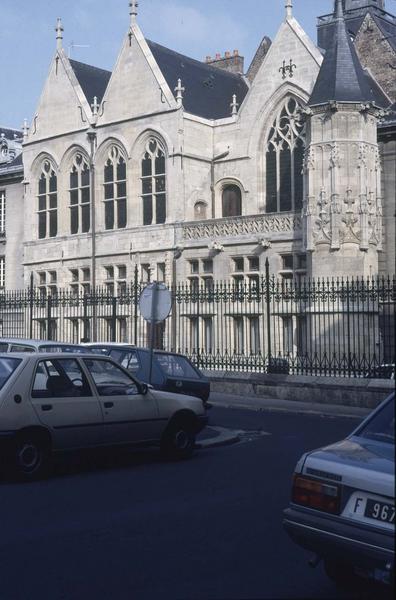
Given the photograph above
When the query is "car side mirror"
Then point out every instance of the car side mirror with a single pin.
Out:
(144, 388)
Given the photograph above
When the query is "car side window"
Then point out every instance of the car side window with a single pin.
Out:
(21, 348)
(60, 378)
(110, 380)
(176, 366)
(3, 347)
(127, 359)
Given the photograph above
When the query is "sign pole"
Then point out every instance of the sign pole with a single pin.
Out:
(153, 322)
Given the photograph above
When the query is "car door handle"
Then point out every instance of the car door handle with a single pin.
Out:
(46, 407)
(108, 404)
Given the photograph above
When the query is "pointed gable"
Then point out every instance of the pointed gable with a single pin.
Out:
(62, 107)
(341, 77)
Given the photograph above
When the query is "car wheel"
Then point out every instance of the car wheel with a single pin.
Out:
(179, 439)
(30, 458)
(341, 573)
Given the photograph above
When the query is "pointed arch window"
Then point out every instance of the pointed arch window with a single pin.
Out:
(47, 202)
(115, 193)
(284, 159)
(153, 176)
(80, 196)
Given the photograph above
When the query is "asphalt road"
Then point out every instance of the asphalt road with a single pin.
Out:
(133, 526)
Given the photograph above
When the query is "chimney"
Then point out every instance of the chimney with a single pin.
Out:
(231, 62)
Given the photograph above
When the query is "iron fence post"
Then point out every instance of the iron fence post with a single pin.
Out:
(348, 330)
(268, 309)
(114, 319)
(31, 304)
(85, 319)
(135, 304)
(49, 311)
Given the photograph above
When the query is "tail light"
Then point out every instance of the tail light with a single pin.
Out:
(315, 494)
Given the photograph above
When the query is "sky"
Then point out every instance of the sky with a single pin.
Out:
(94, 31)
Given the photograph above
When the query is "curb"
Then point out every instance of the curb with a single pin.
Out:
(224, 437)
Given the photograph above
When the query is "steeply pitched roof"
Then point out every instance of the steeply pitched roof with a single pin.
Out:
(388, 28)
(11, 134)
(208, 90)
(341, 77)
(390, 119)
(93, 81)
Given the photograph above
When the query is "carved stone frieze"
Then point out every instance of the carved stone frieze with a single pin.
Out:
(221, 228)
(309, 159)
(350, 225)
(322, 229)
(335, 158)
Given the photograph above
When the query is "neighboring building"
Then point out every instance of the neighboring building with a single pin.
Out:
(193, 172)
(11, 209)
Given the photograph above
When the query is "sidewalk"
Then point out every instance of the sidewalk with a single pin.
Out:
(250, 402)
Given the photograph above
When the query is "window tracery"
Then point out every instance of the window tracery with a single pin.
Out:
(115, 194)
(153, 176)
(47, 202)
(284, 159)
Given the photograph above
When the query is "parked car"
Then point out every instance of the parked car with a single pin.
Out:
(343, 501)
(171, 372)
(52, 402)
(26, 345)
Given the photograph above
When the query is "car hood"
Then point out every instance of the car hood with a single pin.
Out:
(356, 462)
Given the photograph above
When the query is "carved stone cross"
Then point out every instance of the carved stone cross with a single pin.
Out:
(95, 106)
(234, 105)
(179, 89)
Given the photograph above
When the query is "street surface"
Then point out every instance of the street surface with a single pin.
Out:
(134, 526)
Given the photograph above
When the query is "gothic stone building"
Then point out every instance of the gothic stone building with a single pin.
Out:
(195, 171)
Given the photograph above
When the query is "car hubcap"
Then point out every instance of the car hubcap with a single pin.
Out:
(28, 457)
(182, 440)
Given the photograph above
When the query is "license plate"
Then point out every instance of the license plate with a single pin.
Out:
(379, 511)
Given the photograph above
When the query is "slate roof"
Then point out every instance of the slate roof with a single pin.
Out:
(208, 90)
(9, 133)
(93, 81)
(341, 77)
(388, 28)
(390, 119)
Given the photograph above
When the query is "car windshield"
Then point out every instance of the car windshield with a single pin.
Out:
(382, 426)
(7, 367)
(176, 366)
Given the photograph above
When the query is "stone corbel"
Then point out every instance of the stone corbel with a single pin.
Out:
(215, 246)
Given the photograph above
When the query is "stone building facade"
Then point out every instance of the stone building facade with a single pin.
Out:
(191, 171)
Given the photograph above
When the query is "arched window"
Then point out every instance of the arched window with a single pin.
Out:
(200, 210)
(115, 190)
(47, 202)
(154, 183)
(284, 159)
(232, 201)
(80, 196)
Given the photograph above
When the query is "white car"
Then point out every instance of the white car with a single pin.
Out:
(343, 501)
(52, 402)
(27, 345)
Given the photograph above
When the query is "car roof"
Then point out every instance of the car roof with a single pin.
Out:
(121, 345)
(36, 343)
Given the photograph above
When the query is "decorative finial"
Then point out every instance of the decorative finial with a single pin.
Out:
(95, 106)
(179, 89)
(339, 10)
(25, 129)
(59, 33)
(133, 10)
(289, 9)
(234, 105)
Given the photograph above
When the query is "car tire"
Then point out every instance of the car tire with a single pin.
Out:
(178, 441)
(341, 573)
(30, 458)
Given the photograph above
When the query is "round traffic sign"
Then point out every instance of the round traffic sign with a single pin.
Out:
(155, 302)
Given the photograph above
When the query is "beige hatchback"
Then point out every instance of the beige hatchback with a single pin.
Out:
(52, 402)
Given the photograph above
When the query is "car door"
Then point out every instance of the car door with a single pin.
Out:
(181, 377)
(64, 402)
(129, 415)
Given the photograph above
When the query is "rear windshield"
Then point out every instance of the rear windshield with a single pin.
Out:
(7, 367)
(382, 426)
(176, 366)
(63, 348)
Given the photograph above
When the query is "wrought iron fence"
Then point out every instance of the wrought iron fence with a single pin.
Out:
(343, 327)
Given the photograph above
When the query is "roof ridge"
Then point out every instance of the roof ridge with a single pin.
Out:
(78, 62)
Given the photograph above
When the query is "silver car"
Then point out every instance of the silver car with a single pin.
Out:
(58, 402)
(343, 501)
